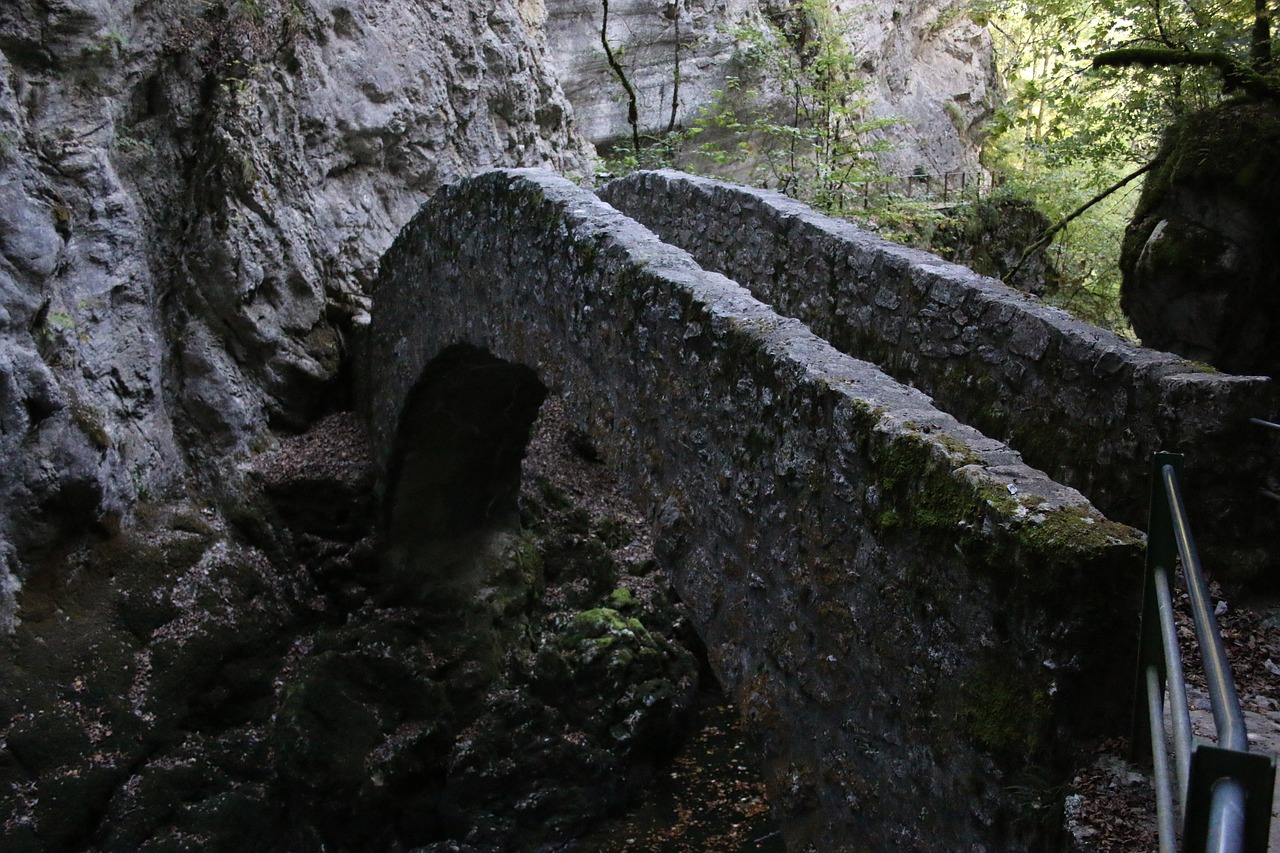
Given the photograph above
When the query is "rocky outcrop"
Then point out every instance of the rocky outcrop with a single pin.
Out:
(990, 236)
(193, 198)
(256, 683)
(924, 61)
(1200, 259)
(909, 617)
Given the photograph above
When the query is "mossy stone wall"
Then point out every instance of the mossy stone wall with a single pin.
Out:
(1079, 402)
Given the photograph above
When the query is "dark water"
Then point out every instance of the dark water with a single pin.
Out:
(711, 800)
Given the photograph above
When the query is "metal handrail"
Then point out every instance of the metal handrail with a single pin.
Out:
(1267, 493)
(1262, 423)
(1224, 791)
(958, 183)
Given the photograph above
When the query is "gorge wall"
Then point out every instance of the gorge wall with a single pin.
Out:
(193, 199)
(911, 619)
(194, 195)
(924, 61)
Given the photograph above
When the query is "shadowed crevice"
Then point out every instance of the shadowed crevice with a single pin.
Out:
(454, 475)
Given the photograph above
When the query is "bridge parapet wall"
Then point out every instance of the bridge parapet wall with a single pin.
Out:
(909, 618)
(1079, 402)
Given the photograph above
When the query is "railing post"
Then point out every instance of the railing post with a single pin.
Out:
(1158, 656)
(1161, 552)
(1229, 801)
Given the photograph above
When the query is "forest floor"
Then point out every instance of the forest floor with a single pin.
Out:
(1111, 805)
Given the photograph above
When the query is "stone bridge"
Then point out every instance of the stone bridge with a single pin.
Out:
(914, 621)
(1081, 403)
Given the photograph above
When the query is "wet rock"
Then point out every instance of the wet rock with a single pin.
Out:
(190, 688)
(362, 722)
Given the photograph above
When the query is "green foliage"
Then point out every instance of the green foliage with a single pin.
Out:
(1085, 253)
(1070, 129)
(795, 108)
(127, 143)
(105, 48)
(1098, 82)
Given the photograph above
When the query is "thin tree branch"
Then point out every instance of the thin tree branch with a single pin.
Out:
(1047, 237)
(1235, 74)
(633, 112)
(675, 76)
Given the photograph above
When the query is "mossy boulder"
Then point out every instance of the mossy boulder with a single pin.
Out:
(990, 236)
(640, 683)
(1200, 259)
(362, 722)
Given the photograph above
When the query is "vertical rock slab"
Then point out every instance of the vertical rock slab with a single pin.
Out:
(193, 197)
(924, 61)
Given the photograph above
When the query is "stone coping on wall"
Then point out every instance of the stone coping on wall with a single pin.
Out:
(1084, 404)
(911, 620)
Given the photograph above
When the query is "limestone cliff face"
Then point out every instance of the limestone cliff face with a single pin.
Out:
(193, 196)
(924, 61)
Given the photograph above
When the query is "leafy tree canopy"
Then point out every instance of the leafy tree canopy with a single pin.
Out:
(1098, 82)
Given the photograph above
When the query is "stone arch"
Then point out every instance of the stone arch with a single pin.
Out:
(792, 490)
(453, 478)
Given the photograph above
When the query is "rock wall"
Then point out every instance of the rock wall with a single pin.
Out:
(193, 198)
(253, 681)
(910, 618)
(1081, 403)
(924, 62)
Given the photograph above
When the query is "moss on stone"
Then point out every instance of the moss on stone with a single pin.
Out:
(622, 598)
(602, 623)
(1074, 529)
(1004, 535)
(888, 520)
(919, 482)
(1006, 711)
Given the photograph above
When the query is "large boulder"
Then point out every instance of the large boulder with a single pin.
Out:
(1201, 258)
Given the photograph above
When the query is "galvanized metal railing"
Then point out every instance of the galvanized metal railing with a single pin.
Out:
(1223, 792)
(944, 187)
(1267, 493)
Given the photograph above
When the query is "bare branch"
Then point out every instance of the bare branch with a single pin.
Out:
(633, 112)
(1235, 74)
(1047, 237)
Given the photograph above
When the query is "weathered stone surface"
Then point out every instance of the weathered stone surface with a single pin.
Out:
(193, 196)
(1078, 402)
(908, 615)
(924, 61)
(1200, 260)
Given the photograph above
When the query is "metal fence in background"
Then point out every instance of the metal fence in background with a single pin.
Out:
(944, 189)
(1223, 792)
